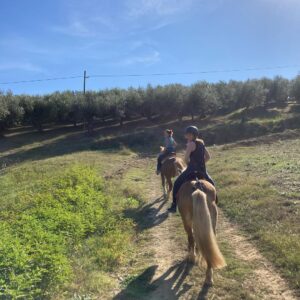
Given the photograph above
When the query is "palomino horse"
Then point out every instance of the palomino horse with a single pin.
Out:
(197, 206)
(171, 167)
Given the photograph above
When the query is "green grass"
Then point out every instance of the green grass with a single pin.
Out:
(259, 189)
(82, 245)
(43, 227)
(95, 264)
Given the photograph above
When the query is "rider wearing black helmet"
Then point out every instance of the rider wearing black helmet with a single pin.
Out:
(196, 156)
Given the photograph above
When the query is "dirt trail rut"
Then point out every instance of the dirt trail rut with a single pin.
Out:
(265, 279)
(175, 279)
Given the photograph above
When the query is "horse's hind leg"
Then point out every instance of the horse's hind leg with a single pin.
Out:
(163, 182)
(191, 245)
(191, 242)
(170, 186)
(213, 214)
(209, 276)
(214, 218)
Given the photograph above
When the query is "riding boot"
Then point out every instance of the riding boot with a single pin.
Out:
(173, 208)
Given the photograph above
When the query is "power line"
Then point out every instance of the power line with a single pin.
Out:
(152, 74)
(39, 80)
(193, 72)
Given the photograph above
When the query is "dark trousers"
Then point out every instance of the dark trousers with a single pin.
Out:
(186, 175)
(161, 157)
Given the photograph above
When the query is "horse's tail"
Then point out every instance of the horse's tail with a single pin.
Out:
(203, 232)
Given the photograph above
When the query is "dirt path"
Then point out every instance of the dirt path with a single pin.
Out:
(248, 275)
(175, 279)
(264, 281)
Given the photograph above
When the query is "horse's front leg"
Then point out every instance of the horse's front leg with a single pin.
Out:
(163, 182)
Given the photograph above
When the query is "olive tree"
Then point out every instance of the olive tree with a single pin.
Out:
(295, 89)
(277, 90)
(43, 112)
(11, 113)
(4, 112)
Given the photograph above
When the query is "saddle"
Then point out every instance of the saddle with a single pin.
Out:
(196, 176)
(171, 156)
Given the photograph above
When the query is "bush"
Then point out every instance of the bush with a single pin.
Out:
(40, 233)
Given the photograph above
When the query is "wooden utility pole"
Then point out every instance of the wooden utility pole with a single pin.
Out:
(84, 79)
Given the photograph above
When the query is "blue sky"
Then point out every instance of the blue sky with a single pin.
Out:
(57, 38)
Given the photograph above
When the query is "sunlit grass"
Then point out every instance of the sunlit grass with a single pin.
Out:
(256, 187)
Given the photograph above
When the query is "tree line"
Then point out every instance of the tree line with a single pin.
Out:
(173, 100)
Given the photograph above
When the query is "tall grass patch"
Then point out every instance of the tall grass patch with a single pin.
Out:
(46, 226)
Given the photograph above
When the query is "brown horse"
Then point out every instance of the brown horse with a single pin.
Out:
(171, 167)
(199, 214)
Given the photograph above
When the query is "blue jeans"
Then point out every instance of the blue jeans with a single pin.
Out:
(187, 174)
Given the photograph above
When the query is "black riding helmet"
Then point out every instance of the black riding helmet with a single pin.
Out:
(193, 130)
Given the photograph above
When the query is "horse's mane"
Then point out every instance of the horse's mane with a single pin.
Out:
(200, 141)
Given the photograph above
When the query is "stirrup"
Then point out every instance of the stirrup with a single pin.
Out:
(173, 208)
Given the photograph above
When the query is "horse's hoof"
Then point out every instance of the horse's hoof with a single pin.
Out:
(208, 283)
(191, 259)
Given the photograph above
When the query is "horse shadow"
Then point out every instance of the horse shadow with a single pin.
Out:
(171, 283)
(149, 215)
(203, 292)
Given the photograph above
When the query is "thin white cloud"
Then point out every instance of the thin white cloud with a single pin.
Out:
(139, 8)
(20, 66)
(90, 26)
(76, 29)
(142, 44)
(86, 19)
(289, 5)
(104, 21)
(148, 59)
(284, 2)
(24, 45)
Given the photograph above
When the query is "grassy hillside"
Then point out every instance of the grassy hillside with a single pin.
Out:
(259, 188)
(50, 182)
(63, 226)
(218, 129)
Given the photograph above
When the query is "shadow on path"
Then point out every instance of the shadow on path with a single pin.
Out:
(149, 215)
(170, 285)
